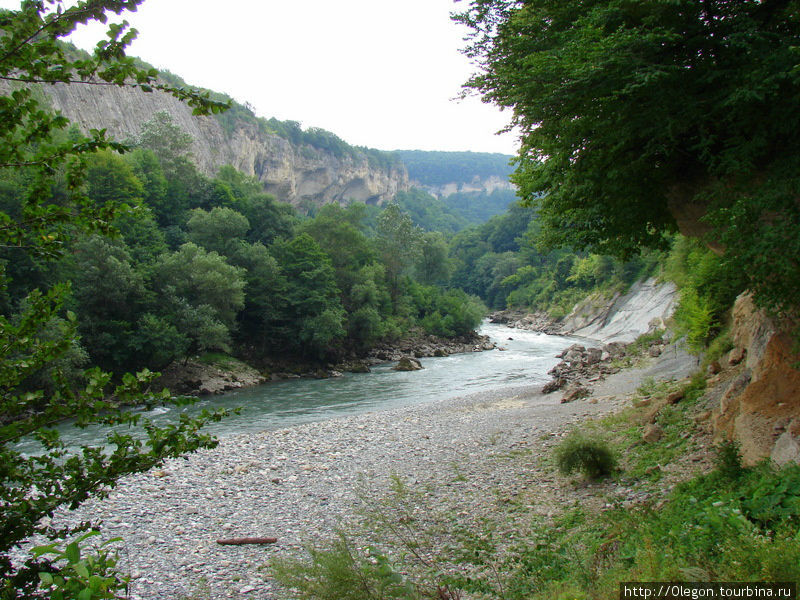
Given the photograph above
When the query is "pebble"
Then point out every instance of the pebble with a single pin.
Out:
(327, 471)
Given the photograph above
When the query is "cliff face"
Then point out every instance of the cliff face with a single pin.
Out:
(485, 185)
(759, 404)
(623, 318)
(300, 175)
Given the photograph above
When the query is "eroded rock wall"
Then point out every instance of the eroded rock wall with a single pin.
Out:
(624, 317)
(760, 405)
(300, 175)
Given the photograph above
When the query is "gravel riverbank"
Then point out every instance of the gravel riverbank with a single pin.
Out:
(298, 484)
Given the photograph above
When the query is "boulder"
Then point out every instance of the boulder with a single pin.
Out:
(593, 356)
(554, 385)
(786, 450)
(735, 356)
(575, 392)
(652, 433)
(408, 363)
(675, 397)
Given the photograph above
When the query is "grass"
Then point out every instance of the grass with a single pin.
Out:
(223, 361)
(589, 455)
(731, 523)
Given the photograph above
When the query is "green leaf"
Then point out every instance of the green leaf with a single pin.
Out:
(72, 553)
(82, 570)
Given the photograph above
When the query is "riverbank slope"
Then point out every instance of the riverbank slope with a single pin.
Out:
(468, 456)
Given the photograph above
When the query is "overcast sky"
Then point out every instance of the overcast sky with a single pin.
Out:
(378, 73)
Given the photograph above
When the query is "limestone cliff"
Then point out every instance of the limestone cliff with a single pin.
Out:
(624, 317)
(485, 185)
(300, 175)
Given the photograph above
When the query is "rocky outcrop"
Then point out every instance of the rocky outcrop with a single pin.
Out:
(201, 379)
(517, 319)
(296, 174)
(421, 345)
(476, 185)
(619, 318)
(623, 317)
(759, 388)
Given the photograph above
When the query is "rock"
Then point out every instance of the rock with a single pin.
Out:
(714, 368)
(771, 393)
(675, 397)
(356, 367)
(654, 351)
(554, 385)
(652, 433)
(573, 356)
(575, 392)
(786, 450)
(735, 356)
(593, 356)
(408, 363)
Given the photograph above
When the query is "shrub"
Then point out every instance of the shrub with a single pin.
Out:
(589, 455)
(341, 571)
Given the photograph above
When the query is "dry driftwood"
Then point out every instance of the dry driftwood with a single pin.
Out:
(250, 540)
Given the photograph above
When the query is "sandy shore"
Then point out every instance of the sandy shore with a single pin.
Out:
(298, 484)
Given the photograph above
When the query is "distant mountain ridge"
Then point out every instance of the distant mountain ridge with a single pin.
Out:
(443, 174)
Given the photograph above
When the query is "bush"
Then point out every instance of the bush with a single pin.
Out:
(589, 455)
(343, 572)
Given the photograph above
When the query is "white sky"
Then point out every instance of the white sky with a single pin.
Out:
(378, 73)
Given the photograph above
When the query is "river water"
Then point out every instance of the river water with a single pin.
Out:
(525, 361)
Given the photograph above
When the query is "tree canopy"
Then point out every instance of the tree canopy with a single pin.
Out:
(48, 198)
(637, 117)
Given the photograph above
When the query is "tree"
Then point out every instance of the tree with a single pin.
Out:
(432, 265)
(220, 230)
(110, 178)
(639, 117)
(204, 278)
(50, 208)
(398, 245)
(313, 315)
(107, 294)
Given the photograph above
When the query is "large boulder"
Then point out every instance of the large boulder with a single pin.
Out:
(408, 363)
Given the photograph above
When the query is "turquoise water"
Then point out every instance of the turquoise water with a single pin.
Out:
(525, 361)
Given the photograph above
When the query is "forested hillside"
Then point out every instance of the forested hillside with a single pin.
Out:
(474, 186)
(214, 264)
(432, 168)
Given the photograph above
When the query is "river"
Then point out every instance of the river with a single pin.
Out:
(525, 361)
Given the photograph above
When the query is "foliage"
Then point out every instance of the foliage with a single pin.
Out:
(637, 114)
(501, 263)
(451, 313)
(62, 475)
(47, 203)
(708, 286)
(440, 168)
(479, 207)
(428, 212)
(83, 576)
(590, 456)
